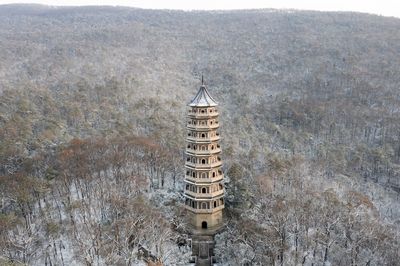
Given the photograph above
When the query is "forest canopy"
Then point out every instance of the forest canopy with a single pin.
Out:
(92, 131)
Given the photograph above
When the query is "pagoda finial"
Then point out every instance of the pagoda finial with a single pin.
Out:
(203, 97)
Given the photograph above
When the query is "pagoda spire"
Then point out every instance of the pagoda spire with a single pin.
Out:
(203, 97)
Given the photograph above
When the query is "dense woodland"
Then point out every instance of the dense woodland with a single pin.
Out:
(92, 131)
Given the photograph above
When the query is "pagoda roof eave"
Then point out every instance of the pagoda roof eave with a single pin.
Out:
(203, 99)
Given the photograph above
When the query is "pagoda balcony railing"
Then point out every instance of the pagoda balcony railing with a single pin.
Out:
(194, 180)
(203, 166)
(202, 115)
(211, 195)
(202, 152)
(220, 207)
(202, 127)
(203, 140)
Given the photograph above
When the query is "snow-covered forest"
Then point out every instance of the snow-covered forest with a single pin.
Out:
(92, 134)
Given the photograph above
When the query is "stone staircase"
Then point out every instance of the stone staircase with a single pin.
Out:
(203, 249)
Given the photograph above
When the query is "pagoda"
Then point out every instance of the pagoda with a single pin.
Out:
(204, 189)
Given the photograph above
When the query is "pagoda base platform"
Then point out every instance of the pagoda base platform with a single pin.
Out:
(205, 220)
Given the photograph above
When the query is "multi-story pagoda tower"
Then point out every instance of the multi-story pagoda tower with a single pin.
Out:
(204, 190)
